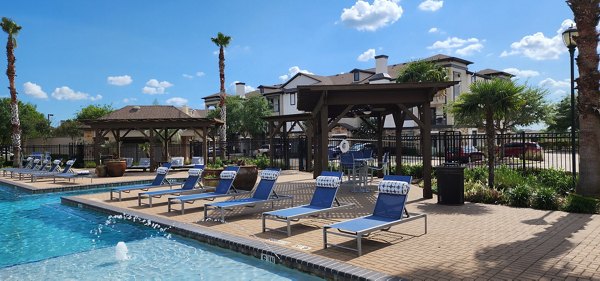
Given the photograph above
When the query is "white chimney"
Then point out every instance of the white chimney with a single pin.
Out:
(381, 64)
(240, 89)
(381, 69)
(186, 109)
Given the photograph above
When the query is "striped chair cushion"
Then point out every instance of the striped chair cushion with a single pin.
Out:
(56, 162)
(394, 187)
(328, 181)
(70, 162)
(194, 172)
(162, 170)
(228, 175)
(269, 175)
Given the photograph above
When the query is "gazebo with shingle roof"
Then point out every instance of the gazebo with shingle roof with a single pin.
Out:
(152, 120)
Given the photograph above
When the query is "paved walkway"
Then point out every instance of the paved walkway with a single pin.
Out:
(472, 241)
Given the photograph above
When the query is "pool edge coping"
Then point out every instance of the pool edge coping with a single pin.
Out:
(319, 266)
(65, 188)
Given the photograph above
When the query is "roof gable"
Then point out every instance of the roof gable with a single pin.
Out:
(146, 112)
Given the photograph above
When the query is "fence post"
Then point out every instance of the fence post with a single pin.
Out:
(524, 149)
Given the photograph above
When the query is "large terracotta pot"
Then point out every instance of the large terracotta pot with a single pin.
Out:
(210, 177)
(115, 168)
(246, 177)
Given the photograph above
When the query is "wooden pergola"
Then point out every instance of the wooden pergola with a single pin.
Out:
(150, 127)
(328, 104)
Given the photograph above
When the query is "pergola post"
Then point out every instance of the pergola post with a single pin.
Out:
(426, 149)
(97, 138)
(205, 144)
(324, 137)
(151, 151)
(399, 124)
(380, 123)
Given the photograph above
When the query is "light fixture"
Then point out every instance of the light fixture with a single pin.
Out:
(568, 37)
(367, 112)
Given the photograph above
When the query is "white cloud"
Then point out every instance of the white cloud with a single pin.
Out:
(66, 93)
(153, 87)
(119, 80)
(366, 17)
(431, 5)
(177, 101)
(187, 76)
(463, 47)
(293, 71)
(34, 90)
(367, 55)
(434, 30)
(197, 74)
(518, 73)
(200, 73)
(539, 47)
(128, 100)
(551, 83)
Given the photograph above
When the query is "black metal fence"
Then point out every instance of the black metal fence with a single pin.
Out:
(520, 150)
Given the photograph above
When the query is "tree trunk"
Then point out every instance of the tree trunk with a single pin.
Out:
(14, 104)
(223, 96)
(586, 17)
(490, 133)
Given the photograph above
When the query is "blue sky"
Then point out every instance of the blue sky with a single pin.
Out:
(73, 53)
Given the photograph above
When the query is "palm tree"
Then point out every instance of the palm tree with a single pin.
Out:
(422, 71)
(488, 101)
(12, 29)
(586, 15)
(222, 41)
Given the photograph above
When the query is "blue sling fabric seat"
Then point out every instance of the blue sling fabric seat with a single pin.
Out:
(324, 197)
(390, 209)
(224, 188)
(263, 193)
(190, 184)
(159, 180)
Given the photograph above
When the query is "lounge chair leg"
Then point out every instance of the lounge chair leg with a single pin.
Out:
(324, 238)
(289, 228)
(359, 244)
(182, 208)
(169, 206)
(205, 208)
(150, 201)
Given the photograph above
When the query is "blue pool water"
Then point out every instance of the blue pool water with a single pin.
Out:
(40, 239)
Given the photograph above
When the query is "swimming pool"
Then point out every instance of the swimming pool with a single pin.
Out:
(43, 239)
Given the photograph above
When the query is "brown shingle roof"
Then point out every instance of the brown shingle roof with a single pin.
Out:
(493, 72)
(146, 112)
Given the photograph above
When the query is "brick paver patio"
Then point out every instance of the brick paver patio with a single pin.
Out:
(472, 241)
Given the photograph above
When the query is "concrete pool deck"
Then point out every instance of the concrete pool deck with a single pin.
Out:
(472, 241)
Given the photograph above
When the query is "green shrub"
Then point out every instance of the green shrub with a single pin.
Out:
(477, 174)
(560, 181)
(416, 171)
(519, 196)
(217, 165)
(478, 192)
(581, 204)
(545, 198)
(261, 161)
(89, 164)
(507, 178)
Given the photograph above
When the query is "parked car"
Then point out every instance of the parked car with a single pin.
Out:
(266, 150)
(531, 150)
(6, 155)
(463, 154)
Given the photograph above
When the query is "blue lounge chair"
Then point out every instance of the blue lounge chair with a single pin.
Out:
(28, 166)
(263, 193)
(225, 188)
(38, 168)
(143, 164)
(53, 168)
(47, 174)
(159, 180)
(327, 185)
(389, 210)
(189, 185)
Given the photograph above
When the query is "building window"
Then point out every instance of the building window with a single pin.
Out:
(293, 99)
(456, 88)
(275, 104)
(356, 76)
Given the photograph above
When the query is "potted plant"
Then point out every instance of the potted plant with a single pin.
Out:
(247, 175)
(210, 176)
(116, 166)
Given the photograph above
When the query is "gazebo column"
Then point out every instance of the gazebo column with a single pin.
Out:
(380, 123)
(324, 137)
(205, 144)
(309, 145)
(151, 151)
(97, 142)
(399, 124)
(426, 149)
(165, 145)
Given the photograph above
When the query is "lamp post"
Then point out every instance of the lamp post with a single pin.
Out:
(569, 37)
(49, 115)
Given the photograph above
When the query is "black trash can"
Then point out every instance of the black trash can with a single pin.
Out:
(451, 184)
